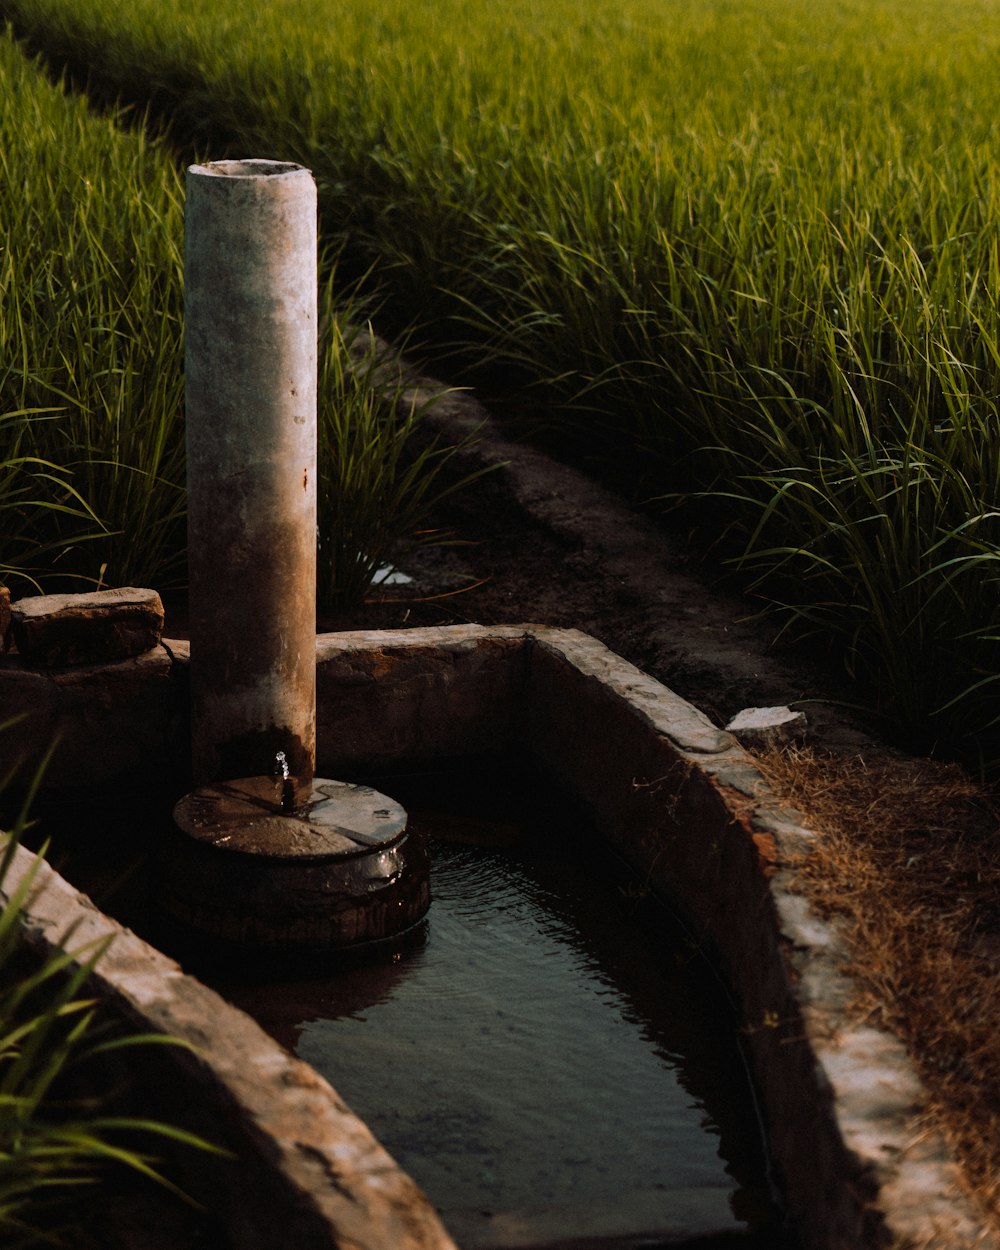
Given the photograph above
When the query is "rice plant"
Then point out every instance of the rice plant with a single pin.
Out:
(91, 413)
(91, 367)
(380, 478)
(754, 247)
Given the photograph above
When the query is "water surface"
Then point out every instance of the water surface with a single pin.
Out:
(548, 1055)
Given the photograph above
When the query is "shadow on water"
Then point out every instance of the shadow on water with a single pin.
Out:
(548, 1054)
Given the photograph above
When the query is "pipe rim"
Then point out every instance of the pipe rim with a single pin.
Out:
(249, 168)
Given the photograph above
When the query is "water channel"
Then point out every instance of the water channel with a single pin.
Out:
(547, 1054)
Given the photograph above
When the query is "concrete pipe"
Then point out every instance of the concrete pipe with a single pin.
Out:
(250, 382)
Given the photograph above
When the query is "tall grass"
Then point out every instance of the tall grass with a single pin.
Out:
(380, 477)
(91, 383)
(754, 245)
(91, 367)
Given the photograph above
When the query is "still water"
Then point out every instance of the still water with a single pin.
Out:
(547, 1054)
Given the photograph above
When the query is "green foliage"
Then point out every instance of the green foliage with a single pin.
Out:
(53, 1141)
(91, 386)
(91, 395)
(755, 246)
(379, 478)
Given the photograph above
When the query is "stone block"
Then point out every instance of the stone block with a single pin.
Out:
(121, 723)
(767, 728)
(53, 631)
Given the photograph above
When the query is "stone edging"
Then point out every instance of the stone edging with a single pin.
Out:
(306, 1173)
(677, 797)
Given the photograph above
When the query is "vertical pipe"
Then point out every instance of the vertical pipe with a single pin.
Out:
(250, 389)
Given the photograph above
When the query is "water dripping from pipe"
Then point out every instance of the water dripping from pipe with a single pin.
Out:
(282, 773)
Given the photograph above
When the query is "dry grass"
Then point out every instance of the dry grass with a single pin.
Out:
(910, 865)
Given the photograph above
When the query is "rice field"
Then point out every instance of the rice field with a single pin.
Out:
(91, 384)
(92, 477)
(750, 249)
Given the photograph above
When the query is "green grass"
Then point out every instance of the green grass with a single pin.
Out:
(753, 246)
(91, 383)
(380, 479)
(91, 367)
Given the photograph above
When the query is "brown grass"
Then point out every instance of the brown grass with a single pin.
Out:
(909, 863)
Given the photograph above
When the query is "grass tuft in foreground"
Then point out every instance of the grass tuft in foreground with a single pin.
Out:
(59, 1132)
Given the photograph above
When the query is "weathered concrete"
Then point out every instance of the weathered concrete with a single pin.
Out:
(418, 694)
(55, 631)
(685, 804)
(859, 1164)
(122, 723)
(250, 393)
(336, 871)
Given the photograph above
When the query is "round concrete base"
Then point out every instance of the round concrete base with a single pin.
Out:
(336, 871)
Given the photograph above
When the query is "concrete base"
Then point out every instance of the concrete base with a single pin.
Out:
(334, 872)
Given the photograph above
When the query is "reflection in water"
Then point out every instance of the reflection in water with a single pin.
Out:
(546, 1055)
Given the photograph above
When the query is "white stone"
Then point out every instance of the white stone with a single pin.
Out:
(765, 728)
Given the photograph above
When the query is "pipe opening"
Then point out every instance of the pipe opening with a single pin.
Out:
(256, 168)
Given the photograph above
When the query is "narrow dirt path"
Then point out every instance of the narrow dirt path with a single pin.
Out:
(543, 543)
